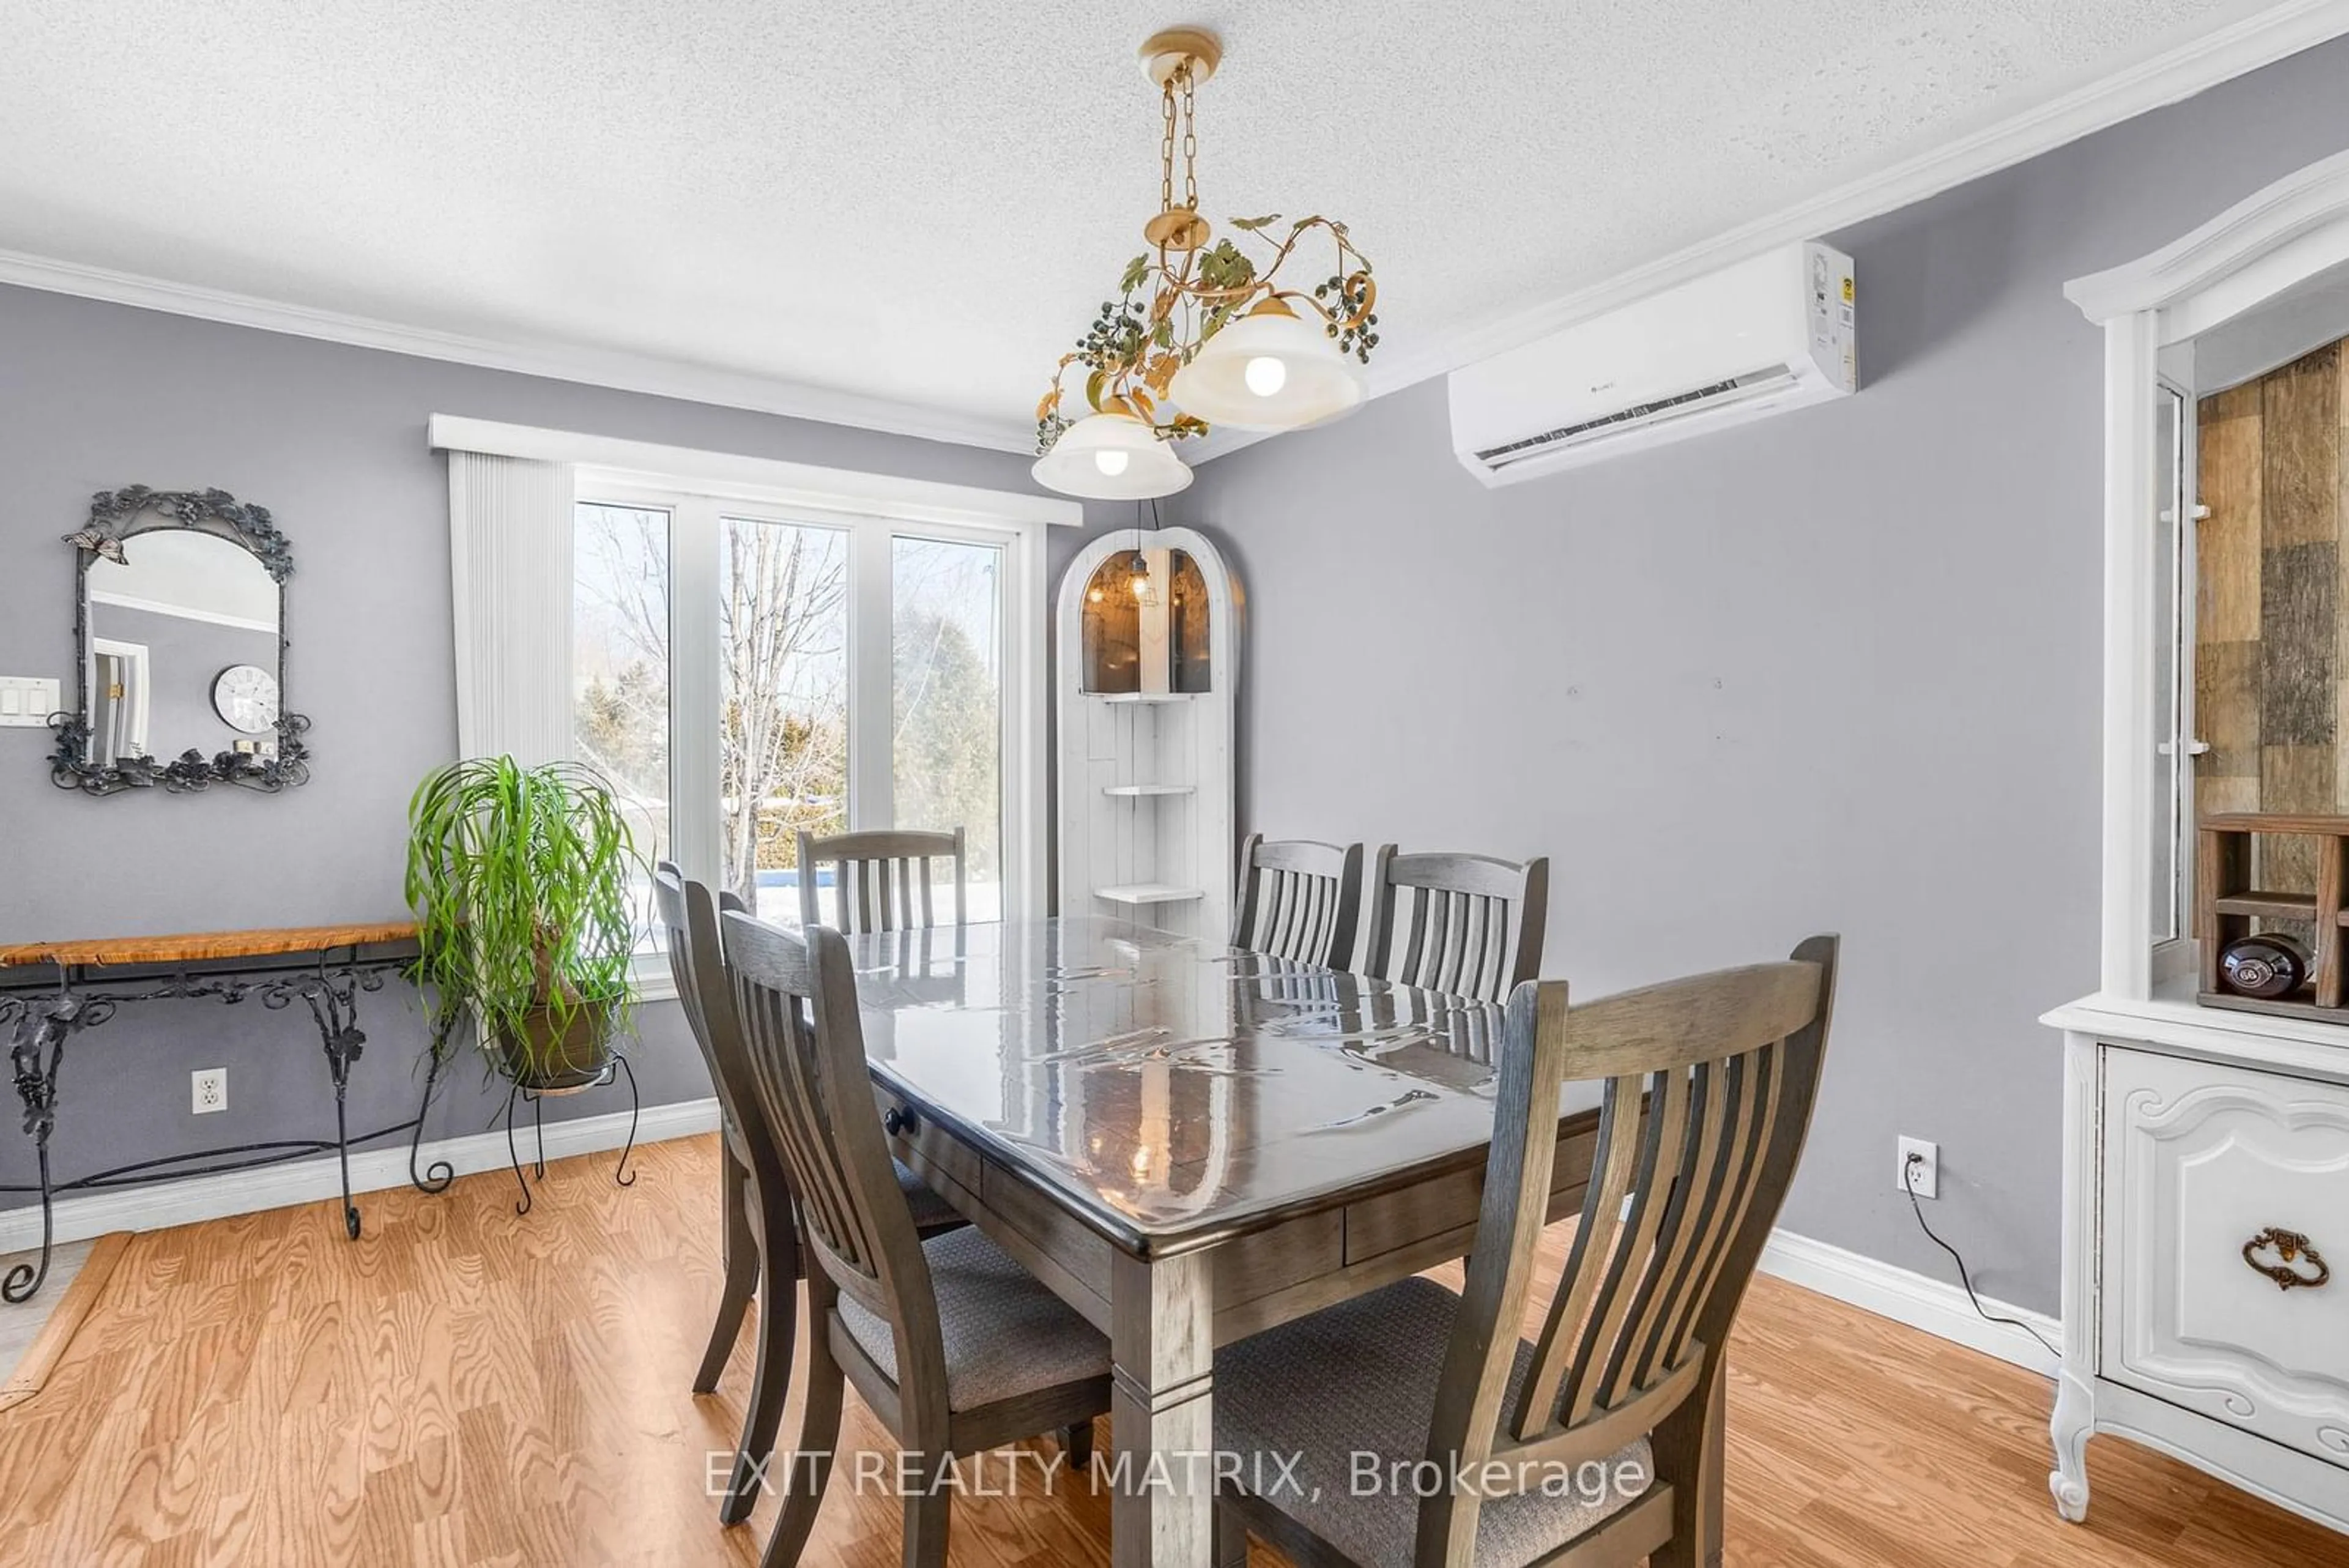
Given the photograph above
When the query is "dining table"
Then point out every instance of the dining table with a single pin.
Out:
(1189, 1144)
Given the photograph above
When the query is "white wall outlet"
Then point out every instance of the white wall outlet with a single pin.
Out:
(1925, 1181)
(208, 1089)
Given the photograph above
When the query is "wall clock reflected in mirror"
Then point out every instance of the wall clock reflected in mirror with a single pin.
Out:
(245, 697)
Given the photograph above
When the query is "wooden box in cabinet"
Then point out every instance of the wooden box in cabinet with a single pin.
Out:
(2228, 905)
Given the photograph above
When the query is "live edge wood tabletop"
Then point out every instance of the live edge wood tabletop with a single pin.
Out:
(194, 947)
(1188, 1144)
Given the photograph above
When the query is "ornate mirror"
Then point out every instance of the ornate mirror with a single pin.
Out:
(179, 648)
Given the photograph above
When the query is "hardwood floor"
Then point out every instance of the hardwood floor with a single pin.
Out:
(465, 1387)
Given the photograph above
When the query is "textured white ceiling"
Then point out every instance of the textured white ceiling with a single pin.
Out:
(925, 201)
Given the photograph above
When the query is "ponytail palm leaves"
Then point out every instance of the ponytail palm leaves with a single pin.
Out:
(519, 880)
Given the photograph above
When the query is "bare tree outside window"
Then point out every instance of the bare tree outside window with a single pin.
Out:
(947, 709)
(620, 671)
(783, 684)
(783, 722)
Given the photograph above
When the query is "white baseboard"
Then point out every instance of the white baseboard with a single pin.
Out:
(1921, 1302)
(1938, 1308)
(167, 1203)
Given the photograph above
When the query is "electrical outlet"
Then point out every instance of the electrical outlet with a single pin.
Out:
(1927, 1182)
(208, 1088)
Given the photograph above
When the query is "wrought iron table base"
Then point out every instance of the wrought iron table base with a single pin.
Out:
(621, 1175)
(42, 1022)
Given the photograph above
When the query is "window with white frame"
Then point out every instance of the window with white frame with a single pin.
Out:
(757, 651)
(854, 678)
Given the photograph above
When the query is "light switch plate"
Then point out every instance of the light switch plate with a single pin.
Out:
(28, 700)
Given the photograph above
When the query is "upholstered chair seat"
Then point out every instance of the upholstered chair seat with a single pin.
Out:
(1005, 1335)
(1360, 1378)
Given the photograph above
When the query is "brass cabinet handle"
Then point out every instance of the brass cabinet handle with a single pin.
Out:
(2290, 1245)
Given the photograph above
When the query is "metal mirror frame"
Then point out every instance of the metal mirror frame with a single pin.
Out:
(115, 517)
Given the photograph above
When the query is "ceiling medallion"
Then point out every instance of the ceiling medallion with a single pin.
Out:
(1201, 335)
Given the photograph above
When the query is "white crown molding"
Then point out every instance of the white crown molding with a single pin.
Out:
(198, 1198)
(561, 362)
(2234, 50)
(2180, 73)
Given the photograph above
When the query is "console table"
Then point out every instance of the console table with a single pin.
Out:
(51, 991)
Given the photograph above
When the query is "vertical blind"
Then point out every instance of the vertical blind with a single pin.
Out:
(511, 576)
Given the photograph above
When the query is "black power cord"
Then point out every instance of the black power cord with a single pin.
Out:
(1909, 1182)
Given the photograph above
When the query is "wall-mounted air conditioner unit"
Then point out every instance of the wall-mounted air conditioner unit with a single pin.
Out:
(1768, 334)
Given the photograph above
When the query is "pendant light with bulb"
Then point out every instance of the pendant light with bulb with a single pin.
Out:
(1112, 455)
(1200, 334)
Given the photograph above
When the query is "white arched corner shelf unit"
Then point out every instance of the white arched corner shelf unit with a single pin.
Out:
(2191, 1134)
(1146, 789)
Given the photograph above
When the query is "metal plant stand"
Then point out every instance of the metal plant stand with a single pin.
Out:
(436, 1177)
(621, 1175)
(41, 1023)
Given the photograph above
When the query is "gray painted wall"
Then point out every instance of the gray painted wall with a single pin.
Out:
(1835, 671)
(331, 439)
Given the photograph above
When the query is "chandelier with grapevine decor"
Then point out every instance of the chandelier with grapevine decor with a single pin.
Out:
(1201, 333)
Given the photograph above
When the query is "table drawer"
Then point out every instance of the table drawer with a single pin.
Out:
(926, 1147)
(2200, 1163)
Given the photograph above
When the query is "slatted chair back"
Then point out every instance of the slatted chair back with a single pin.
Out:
(1466, 924)
(1709, 1088)
(882, 878)
(795, 994)
(688, 923)
(1298, 899)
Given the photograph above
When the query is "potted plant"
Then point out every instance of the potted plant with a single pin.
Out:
(519, 880)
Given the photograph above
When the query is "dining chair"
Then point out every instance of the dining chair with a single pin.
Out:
(1298, 899)
(881, 878)
(760, 1243)
(1475, 922)
(951, 1344)
(1601, 1441)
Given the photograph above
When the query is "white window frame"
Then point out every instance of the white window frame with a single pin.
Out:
(699, 488)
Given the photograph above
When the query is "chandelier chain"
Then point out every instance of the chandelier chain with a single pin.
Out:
(1190, 145)
(1166, 151)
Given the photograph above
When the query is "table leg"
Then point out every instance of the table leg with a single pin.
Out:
(333, 999)
(43, 1025)
(1161, 1411)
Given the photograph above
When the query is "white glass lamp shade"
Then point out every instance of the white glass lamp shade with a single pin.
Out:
(1112, 457)
(1272, 370)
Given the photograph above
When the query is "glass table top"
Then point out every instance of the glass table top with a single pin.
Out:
(1166, 1085)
